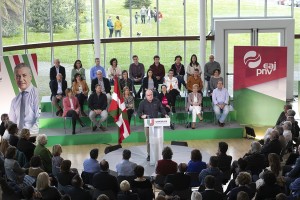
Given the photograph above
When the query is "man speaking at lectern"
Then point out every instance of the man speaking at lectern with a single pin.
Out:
(149, 108)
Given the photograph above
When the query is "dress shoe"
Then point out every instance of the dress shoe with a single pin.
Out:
(94, 128)
(148, 158)
(102, 128)
(193, 125)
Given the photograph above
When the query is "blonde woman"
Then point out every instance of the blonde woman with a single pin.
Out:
(129, 102)
(25, 145)
(56, 159)
(194, 104)
(43, 186)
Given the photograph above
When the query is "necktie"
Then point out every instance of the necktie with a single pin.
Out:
(22, 111)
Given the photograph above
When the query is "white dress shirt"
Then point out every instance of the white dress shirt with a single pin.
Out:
(31, 109)
(173, 81)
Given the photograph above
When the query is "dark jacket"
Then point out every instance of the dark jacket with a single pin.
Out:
(158, 70)
(65, 178)
(161, 95)
(179, 180)
(105, 181)
(54, 87)
(107, 86)
(97, 102)
(127, 83)
(181, 72)
(79, 194)
(255, 162)
(151, 109)
(26, 147)
(51, 193)
(128, 196)
(2, 129)
(211, 194)
(61, 70)
(145, 84)
(273, 146)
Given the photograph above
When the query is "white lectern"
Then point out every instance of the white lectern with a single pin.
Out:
(156, 137)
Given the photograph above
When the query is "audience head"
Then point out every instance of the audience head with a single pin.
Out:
(211, 58)
(56, 150)
(182, 167)
(42, 181)
(77, 77)
(196, 72)
(242, 196)
(13, 129)
(242, 164)
(163, 88)
(36, 161)
(11, 152)
(139, 171)
(279, 129)
(287, 125)
(99, 74)
(94, 153)
(126, 91)
(223, 147)
(269, 178)
(135, 59)
(65, 166)
(126, 154)
(156, 59)
(149, 95)
(102, 197)
(220, 85)
(168, 188)
(196, 195)
(194, 60)
(149, 73)
(124, 186)
(41, 139)
(56, 62)
(77, 64)
(167, 153)
(28, 192)
(7, 124)
(195, 88)
(97, 61)
(255, 147)
(217, 72)
(290, 113)
(209, 182)
(25, 133)
(104, 166)
(286, 107)
(196, 155)
(77, 181)
(281, 196)
(4, 117)
(213, 161)
(124, 74)
(274, 162)
(243, 178)
(68, 92)
(171, 73)
(113, 62)
(178, 59)
(59, 77)
(274, 135)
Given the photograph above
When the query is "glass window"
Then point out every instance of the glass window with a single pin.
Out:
(85, 19)
(254, 8)
(168, 51)
(226, 8)
(192, 18)
(145, 51)
(120, 51)
(279, 8)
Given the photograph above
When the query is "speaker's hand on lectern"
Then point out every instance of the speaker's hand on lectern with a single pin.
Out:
(144, 116)
(167, 116)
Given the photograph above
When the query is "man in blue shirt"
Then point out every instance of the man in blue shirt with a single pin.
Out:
(126, 167)
(91, 165)
(220, 98)
(93, 71)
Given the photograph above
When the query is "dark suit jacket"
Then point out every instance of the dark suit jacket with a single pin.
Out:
(255, 162)
(105, 181)
(26, 147)
(179, 180)
(106, 85)
(61, 70)
(211, 194)
(54, 87)
(65, 178)
(224, 165)
(79, 194)
(273, 146)
(128, 196)
(181, 72)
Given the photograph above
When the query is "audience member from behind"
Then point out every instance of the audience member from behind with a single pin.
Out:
(140, 183)
(58, 87)
(166, 165)
(273, 146)
(25, 145)
(78, 69)
(105, 181)
(13, 132)
(220, 99)
(35, 166)
(43, 186)
(56, 159)
(91, 165)
(210, 193)
(242, 196)
(281, 196)
(242, 180)
(29, 193)
(196, 165)
(77, 192)
(125, 193)
(196, 195)
(4, 120)
(93, 70)
(269, 189)
(168, 192)
(103, 197)
(126, 167)
(283, 114)
(65, 175)
(43, 152)
(255, 160)
(81, 91)
(224, 163)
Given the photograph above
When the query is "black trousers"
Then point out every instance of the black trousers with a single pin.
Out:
(75, 117)
(173, 94)
(81, 98)
(129, 113)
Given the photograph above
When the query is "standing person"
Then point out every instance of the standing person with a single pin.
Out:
(194, 104)
(78, 69)
(220, 99)
(172, 87)
(81, 91)
(149, 15)
(93, 71)
(179, 71)
(160, 16)
(129, 102)
(58, 87)
(143, 12)
(136, 73)
(114, 70)
(209, 68)
(149, 108)
(118, 27)
(72, 109)
(24, 108)
(192, 66)
(158, 69)
(136, 17)
(110, 26)
(57, 68)
(155, 14)
(98, 104)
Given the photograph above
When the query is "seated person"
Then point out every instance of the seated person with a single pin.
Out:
(141, 185)
(129, 102)
(295, 127)
(72, 109)
(114, 70)
(81, 91)
(273, 146)
(172, 87)
(158, 70)
(35, 166)
(13, 135)
(213, 82)
(283, 114)
(180, 180)
(104, 84)
(220, 99)
(192, 66)
(64, 177)
(42, 151)
(149, 82)
(126, 167)
(125, 81)
(195, 79)
(4, 120)
(136, 73)
(287, 133)
(166, 165)
(78, 69)
(91, 165)
(165, 98)
(255, 160)
(77, 192)
(25, 145)
(56, 159)
(210, 193)
(44, 188)
(179, 71)
(243, 180)
(168, 192)
(194, 105)
(196, 165)
(125, 193)
(269, 189)
(58, 88)
(98, 105)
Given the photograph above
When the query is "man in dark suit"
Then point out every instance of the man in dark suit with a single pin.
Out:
(104, 181)
(209, 192)
(57, 68)
(224, 163)
(58, 87)
(104, 84)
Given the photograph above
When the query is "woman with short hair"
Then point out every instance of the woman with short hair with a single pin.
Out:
(56, 159)
(25, 145)
(78, 69)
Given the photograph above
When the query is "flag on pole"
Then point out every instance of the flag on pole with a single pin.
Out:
(117, 110)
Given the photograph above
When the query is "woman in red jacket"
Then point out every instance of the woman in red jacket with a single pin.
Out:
(72, 108)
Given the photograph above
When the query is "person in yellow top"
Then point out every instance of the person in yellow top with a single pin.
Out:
(118, 27)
